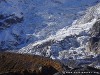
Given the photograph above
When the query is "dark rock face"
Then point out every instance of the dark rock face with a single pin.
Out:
(94, 43)
(18, 64)
(9, 20)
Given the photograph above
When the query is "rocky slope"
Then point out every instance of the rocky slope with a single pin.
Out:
(23, 64)
(18, 63)
(94, 44)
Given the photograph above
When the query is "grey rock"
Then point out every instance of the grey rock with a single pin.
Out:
(94, 43)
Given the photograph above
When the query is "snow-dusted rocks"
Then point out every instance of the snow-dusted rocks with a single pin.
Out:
(69, 42)
(59, 29)
(94, 42)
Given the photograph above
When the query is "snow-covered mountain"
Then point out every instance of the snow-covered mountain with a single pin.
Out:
(59, 29)
(35, 19)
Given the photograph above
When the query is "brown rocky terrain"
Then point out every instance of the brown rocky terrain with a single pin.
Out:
(24, 64)
(19, 64)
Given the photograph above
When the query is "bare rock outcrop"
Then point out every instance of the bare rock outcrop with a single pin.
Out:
(94, 43)
(23, 64)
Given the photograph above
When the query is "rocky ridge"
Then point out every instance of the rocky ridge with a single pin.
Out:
(23, 64)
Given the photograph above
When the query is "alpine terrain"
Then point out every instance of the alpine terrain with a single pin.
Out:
(63, 30)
